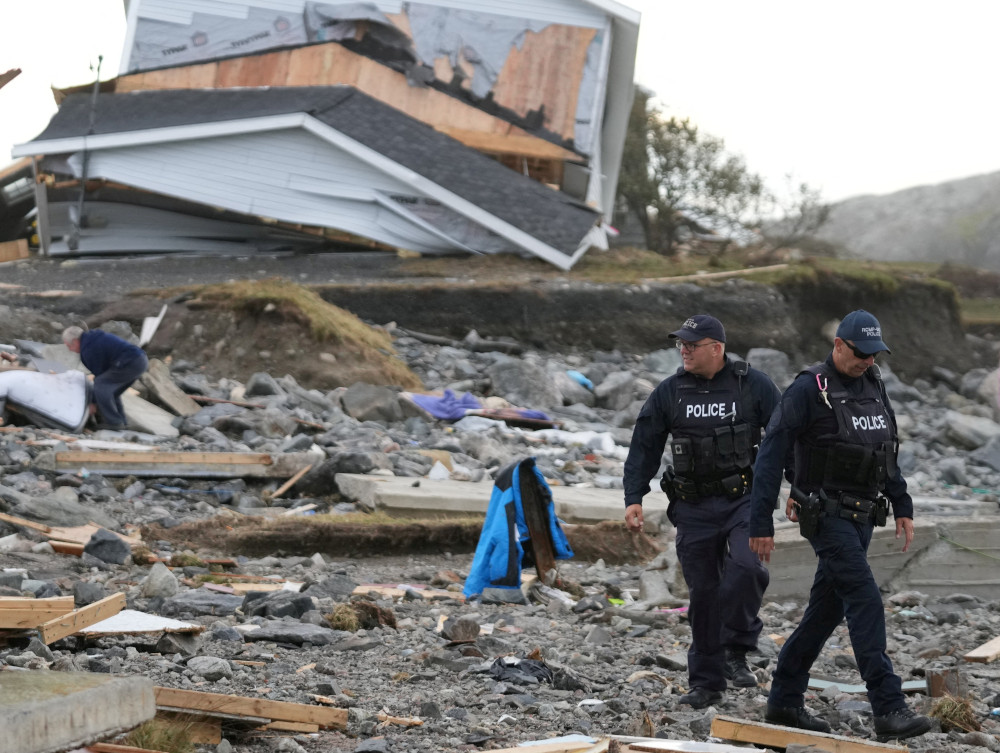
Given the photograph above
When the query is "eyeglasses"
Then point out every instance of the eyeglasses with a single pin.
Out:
(857, 353)
(691, 347)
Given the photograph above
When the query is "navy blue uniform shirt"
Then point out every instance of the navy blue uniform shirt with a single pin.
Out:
(100, 350)
(649, 437)
(801, 411)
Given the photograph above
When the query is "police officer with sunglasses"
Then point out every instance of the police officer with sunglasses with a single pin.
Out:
(713, 410)
(837, 419)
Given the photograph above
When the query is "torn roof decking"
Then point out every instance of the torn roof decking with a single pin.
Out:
(527, 214)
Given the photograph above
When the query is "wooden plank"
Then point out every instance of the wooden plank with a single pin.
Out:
(292, 726)
(13, 250)
(25, 523)
(83, 534)
(80, 618)
(774, 736)
(24, 602)
(260, 707)
(716, 275)
(989, 651)
(67, 547)
(25, 619)
(112, 748)
(95, 459)
(292, 481)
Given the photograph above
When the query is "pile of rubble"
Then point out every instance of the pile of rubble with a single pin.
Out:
(389, 643)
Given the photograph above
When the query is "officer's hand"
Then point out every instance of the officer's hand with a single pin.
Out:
(905, 526)
(633, 518)
(762, 546)
(792, 510)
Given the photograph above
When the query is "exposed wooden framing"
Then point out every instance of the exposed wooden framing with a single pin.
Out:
(989, 651)
(17, 613)
(773, 736)
(284, 711)
(332, 64)
(80, 618)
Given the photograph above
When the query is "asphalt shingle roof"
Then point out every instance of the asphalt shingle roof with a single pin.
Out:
(550, 216)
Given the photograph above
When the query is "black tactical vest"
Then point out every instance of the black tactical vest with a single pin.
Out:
(710, 437)
(861, 454)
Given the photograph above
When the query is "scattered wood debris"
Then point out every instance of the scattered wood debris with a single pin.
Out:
(988, 652)
(774, 736)
(183, 464)
(78, 619)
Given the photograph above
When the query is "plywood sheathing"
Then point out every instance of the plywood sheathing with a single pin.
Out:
(331, 64)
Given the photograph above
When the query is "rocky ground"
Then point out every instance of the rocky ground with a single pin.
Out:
(606, 656)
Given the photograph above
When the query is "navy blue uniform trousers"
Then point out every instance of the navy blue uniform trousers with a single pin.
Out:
(844, 586)
(725, 580)
(109, 386)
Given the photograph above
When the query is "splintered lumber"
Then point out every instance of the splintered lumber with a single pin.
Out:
(183, 464)
(275, 711)
(18, 613)
(40, 527)
(774, 736)
(989, 651)
(83, 617)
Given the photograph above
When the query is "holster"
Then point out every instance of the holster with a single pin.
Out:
(810, 510)
(667, 484)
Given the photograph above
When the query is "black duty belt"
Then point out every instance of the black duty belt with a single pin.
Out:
(732, 486)
(857, 508)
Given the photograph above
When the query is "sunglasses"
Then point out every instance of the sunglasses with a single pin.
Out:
(857, 352)
(690, 347)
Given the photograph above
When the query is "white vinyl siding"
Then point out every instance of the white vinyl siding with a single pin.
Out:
(291, 176)
(569, 12)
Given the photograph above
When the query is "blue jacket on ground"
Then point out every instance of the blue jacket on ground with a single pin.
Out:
(499, 553)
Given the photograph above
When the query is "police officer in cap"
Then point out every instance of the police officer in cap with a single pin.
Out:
(713, 409)
(837, 417)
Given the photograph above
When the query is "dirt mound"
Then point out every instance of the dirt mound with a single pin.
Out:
(233, 338)
(259, 537)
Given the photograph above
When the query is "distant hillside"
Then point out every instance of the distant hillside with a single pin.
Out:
(958, 221)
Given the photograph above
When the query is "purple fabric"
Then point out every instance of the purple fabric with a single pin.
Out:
(448, 406)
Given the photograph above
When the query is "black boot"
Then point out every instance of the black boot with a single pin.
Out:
(737, 671)
(900, 724)
(795, 716)
(699, 698)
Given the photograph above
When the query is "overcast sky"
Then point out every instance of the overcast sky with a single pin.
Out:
(852, 98)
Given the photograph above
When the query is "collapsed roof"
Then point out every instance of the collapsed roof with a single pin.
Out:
(308, 156)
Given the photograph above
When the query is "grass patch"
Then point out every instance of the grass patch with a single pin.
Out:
(326, 322)
(166, 735)
(980, 311)
(955, 713)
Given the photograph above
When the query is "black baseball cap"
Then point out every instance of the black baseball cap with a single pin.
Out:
(699, 327)
(863, 329)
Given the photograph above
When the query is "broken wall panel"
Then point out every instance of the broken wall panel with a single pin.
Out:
(540, 62)
(333, 64)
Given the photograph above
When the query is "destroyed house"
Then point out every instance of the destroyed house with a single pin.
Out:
(218, 136)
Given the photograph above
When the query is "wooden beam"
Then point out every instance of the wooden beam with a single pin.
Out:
(18, 613)
(774, 736)
(259, 707)
(989, 651)
(112, 748)
(41, 527)
(292, 481)
(96, 459)
(80, 618)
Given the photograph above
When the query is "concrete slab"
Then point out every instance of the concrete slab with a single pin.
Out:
(420, 497)
(45, 712)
